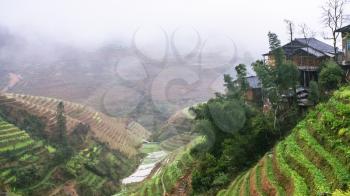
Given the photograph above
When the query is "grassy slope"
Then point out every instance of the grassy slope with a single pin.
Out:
(313, 159)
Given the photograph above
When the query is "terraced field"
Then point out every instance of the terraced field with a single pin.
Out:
(174, 168)
(20, 155)
(177, 141)
(313, 160)
(119, 134)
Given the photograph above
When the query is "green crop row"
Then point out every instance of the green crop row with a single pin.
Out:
(331, 143)
(16, 146)
(300, 188)
(271, 176)
(258, 171)
(233, 185)
(241, 184)
(319, 182)
(246, 186)
(17, 133)
(336, 140)
(234, 189)
(8, 130)
(5, 126)
(11, 140)
(340, 171)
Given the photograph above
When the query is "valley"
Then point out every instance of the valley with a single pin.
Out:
(174, 98)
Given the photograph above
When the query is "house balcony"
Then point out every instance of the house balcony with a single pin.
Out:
(308, 68)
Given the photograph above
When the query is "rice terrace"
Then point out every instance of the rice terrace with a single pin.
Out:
(175, 98)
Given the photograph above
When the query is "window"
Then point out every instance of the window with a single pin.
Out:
(348, 45)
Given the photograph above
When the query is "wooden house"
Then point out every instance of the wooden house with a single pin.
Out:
(307, 54)
(254, 92)
(344, 59)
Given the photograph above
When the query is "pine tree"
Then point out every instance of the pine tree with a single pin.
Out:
(242, 78)
(61, 124)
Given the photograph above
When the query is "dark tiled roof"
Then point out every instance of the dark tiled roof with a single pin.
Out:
(311, 45)
(344, 29)
(312, 52)
(291, 47)
(316, 44)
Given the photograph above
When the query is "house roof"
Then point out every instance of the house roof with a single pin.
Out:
(316, 44)
(344, 29)
(312, 51)
(312, 46)
(254, 82)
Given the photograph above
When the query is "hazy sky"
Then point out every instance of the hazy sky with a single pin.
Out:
(90, 22)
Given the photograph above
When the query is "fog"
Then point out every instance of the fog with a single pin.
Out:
(140, 59)
(91, 23)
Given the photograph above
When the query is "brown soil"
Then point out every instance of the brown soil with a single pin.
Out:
(182, 186)
(267, 187)
(69, 189)
(253, 188)
(283, 180)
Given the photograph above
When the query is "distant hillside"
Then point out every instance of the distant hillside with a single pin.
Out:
(117, 133)
(176, 132)
(103, 149)
(32, 166)
(313, 160)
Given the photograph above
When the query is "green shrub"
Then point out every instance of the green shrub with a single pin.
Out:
(330, 76)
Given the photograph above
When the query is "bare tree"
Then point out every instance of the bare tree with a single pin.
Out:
(333, 18)
(290, 28)
(306, 31)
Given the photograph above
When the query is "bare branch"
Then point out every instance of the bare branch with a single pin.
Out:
(333, 18)
(290, 28)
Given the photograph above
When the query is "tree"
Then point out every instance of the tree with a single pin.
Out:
(232, 91)
(330, 76)
(274, 42)
(333, 18)
(241, 71)
(228, 116)
(287, 76)
(275, 47)
(306, 32)
(290, 28)
(277, 79)
(61, 123)
(314, 94)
